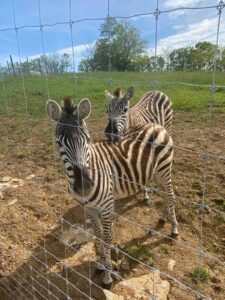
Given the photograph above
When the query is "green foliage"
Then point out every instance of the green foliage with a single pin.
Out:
(199, 57)
(140, 252)
(45, 64)
(200, 274)
(121, 47)
(165, 249)
(121, 40)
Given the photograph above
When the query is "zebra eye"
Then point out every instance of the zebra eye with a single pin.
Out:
(125, 109)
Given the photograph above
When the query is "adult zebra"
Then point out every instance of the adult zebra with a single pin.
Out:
(154, 107)
(99, 173)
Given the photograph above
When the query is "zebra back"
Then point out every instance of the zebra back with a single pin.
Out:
(154, 107)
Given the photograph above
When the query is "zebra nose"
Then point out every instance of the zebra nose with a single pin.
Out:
(83, 181)
(111, 129)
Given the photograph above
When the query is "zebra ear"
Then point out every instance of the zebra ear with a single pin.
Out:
(108, 96)
(83, 109)
(53, 110)
(118, 93)
(129, 94)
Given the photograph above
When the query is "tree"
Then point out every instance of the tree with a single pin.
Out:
(140, 63)
(119, 45)
(204, 55)
(181, 59)
(221, 63)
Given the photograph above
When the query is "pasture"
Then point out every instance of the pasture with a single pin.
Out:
(31, 209)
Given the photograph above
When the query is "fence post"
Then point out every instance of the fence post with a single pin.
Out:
(13, 68)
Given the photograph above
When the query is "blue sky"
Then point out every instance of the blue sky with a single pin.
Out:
(175, 29)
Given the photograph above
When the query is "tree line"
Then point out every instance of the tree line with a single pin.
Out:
(45, 64)
(121, 47)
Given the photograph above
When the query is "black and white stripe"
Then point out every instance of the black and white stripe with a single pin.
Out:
(154, 107)
(99, 173)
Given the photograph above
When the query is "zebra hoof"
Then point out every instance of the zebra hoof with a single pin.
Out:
(107, 286)
(162, 222)
(147, 201)
(175, 236)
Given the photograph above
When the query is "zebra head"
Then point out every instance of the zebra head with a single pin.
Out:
(73, 139)
(118, 113)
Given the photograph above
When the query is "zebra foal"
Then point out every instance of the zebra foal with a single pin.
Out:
(153, 107)
(98, 173)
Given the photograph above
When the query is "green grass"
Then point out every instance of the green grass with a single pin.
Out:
(200, 274)
(92, 86)
(165, 249)
(140, 252)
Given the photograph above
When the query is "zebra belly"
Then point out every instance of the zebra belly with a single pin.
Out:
(124, 188)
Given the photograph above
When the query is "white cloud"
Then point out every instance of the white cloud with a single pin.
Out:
(201, 31)
(180, 3)
(178, 27)
(177, 13)
(78, 50)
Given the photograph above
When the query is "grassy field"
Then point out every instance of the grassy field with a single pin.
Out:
(34, 91)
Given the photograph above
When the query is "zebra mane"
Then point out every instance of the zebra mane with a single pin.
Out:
(68, 106)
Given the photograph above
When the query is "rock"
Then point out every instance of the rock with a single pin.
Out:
(6, 179)
(141, 288)
(8, 182)
(125, 265)
(31, 176)
(12, 202)
(14, 186)
(1, 196)
(4, 185)
(77, 235)
(17, 181)
(111, 296)
(171, 264)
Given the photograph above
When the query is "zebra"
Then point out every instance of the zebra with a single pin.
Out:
(100, 172)
(154, 107)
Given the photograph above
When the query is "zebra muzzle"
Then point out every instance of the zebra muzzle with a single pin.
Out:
(111, 131)
(83, 183)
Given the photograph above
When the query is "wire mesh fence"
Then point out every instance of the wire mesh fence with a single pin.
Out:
(40, 260)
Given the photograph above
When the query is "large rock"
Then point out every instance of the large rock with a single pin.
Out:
(141, 288)
(111, 296)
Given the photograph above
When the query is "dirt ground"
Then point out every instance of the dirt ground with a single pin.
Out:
(36, 211)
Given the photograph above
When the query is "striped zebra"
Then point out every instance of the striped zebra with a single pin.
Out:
(98, 173)
(154, 107)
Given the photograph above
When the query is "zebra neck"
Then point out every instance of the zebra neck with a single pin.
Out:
(128, 121)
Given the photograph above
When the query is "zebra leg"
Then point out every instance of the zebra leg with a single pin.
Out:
(107, 220)
(164, 176)
(94, 216)
(165, 213)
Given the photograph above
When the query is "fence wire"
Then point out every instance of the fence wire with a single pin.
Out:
(26, 284)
